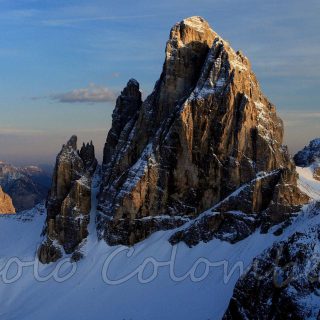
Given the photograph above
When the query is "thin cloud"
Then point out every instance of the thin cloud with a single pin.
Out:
(92, 94)
(298, 115)
(12, 131)
(70, 21)
(293, 119)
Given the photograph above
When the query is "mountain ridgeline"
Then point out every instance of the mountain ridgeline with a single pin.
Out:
(203, 152)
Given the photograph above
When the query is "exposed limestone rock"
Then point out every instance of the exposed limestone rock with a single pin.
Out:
(6, 205)
(205, 131)
(269, 199)
(69, 201)
(287, 197)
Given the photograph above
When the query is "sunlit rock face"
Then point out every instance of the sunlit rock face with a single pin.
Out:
(6, 206)
(69, 200)
(205, 131)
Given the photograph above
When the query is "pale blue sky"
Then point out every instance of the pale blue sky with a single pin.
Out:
(50, 50)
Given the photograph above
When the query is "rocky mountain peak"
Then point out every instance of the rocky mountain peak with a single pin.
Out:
(204, 132)
(193, 29)
(87, 154)
(69, 200)
(123, 118)
(186, 50)
(72, 143)
(132, 89)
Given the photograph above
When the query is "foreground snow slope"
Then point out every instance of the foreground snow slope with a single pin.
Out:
(85, 295)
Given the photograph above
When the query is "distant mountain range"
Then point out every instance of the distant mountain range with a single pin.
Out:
(27, 186)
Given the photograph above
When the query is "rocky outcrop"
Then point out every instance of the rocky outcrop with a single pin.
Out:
(269, 199)
(6, 206)
(69, 201)
(283, 283)
(205, 131)
(123, 119)
(27, 186)
(87, 155)
(310, 157)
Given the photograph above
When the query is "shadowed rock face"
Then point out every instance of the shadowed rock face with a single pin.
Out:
(123, 118)
(269, 199)
(282, 283)
(87, 155)
(205, 131)
(310, 157)
(69, 200)
(6, 205)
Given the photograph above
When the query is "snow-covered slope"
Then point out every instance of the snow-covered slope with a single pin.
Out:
(283, 282)
(155, 280)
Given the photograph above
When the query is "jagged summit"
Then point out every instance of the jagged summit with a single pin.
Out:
(69, 201)
(205, 140)
(123, 118)
(196, 22)
(206, 130)
(133, 82)
(192, 29)
(72, 142)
